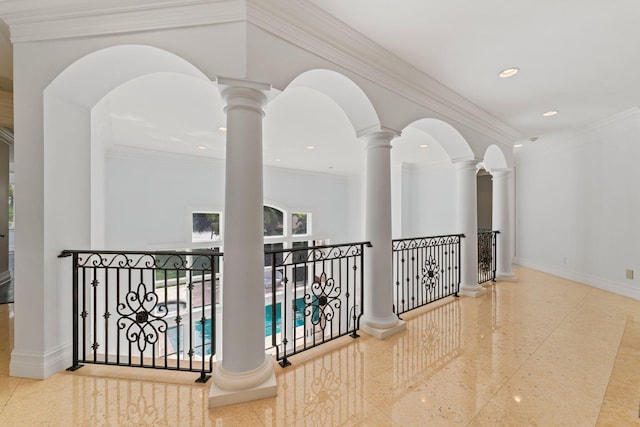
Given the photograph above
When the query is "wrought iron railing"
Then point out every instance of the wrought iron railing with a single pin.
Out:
(145, 309)
(425, 270)
(487, 243)
(316, 296)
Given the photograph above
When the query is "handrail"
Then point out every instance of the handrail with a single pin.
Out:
(316, 296)
(425, 270)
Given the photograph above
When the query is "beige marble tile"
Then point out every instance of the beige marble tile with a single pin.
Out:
(543, 351)
(493, 415)
(528, 396)
(624, 389)
(433, 399)
(302, 387)
(615, 415)
(240, 415)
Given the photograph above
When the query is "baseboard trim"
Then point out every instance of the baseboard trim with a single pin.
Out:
(40, 366)
(619, 288)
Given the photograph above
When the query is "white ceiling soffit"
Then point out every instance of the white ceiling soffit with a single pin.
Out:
(297, 21)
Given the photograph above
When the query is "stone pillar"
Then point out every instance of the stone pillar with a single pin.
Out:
(501, 222)
(378, 318)
(245, 371)
(467, 223)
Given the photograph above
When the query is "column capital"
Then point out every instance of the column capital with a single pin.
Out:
(378, 136)
(469, 162)
(501, 172)
(243, 93)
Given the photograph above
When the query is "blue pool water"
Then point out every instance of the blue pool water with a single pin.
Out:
(199, 332)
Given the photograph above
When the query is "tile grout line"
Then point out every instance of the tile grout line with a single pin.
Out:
(530, 355)
(606, 391)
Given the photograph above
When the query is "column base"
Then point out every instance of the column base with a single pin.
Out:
(472, 291)
(384, 332)
(506, 277)
(229, 389)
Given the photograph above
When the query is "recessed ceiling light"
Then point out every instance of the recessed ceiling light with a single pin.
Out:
(550, 113)
(423, 145)
(310, 147)
(277, 160)
(517, 146)
(222, 129)
(508, 72)
(201, 147)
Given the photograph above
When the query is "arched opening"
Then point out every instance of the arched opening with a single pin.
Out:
(313, 159)
(75, 116)
(424, 178)
(72, 194)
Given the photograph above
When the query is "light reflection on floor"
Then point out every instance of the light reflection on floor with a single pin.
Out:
(542, 351)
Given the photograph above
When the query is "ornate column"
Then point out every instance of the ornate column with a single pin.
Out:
(378, 318)
(467, 221)
(501, 223)
(245, 371)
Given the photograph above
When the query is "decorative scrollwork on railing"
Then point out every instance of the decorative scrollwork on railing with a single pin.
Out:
(158, 260)
(323, 301)
(141, 317)
(297, 256)
(425, 269)
(430, 274)
(426, 242)
(486, 255)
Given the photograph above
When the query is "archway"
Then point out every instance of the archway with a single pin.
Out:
(63, 196)
(501, 188)
(424, 179)
(78, 180)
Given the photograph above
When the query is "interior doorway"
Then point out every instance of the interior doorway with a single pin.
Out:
(485, 200)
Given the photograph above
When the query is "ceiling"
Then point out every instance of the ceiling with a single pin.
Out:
(579, 57)
(142, 114)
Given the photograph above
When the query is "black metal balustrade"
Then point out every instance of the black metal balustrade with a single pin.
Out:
(425, 270)
(316, 296)
(145, 309)
(487, 244)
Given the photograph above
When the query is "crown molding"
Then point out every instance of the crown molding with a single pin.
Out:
(299, 22)
(576, 138)
(35, 20)
(310, 27)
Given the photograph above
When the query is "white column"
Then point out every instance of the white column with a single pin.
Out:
(467, 220)
(501, 222)
(245, 372)
(378, 318)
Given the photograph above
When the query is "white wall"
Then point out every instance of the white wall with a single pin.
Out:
(578, 206)
(163, 189)
(428, 197)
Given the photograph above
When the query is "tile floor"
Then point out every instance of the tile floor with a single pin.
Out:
(541, 352)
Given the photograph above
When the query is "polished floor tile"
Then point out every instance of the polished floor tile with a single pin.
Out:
(544, 351)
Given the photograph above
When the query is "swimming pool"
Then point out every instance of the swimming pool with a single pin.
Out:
(199, 332)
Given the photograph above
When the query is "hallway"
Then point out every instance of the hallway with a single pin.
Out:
(543, 351)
